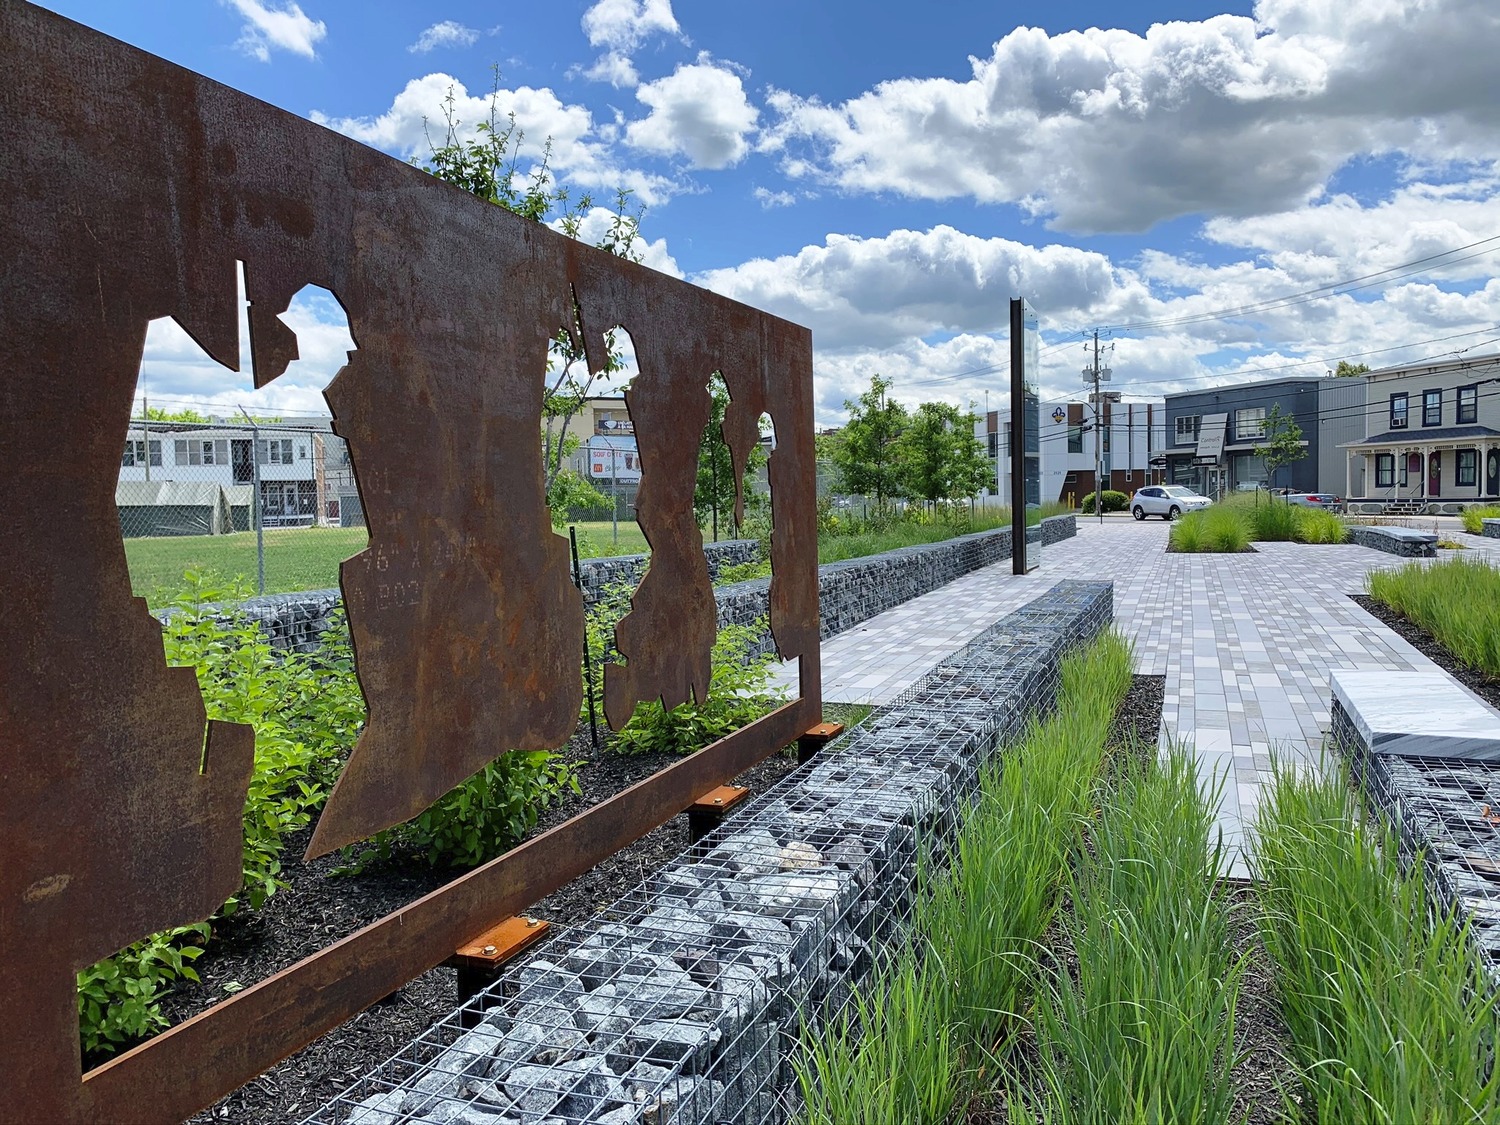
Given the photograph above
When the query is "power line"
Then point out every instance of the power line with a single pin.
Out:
(1334, 288)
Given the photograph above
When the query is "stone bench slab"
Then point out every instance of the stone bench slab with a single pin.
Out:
(1417, 714)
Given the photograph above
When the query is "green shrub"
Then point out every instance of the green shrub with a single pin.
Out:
(306, 711)
(1389, 1010)
(488, 814)
(1113, 501)
(1475, 515)
(740, 691)
(744, 572)
(119, 999)
(1457, 601)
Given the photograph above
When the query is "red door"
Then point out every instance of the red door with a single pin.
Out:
(1435, 475)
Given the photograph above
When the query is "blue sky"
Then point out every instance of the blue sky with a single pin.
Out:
(1197, 181)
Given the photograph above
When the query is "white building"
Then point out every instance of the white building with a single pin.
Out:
(1066, 447)
(303, 470)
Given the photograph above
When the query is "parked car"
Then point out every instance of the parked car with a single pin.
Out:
(1165, 500)
(1312, 499)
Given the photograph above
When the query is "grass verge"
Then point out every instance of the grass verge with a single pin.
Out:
(1234, 523)
(1457, 601)
(1391, 1017)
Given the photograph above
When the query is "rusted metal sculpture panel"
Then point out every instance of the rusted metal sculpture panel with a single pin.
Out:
(129, 190)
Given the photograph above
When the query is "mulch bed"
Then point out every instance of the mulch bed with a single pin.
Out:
(321, 906)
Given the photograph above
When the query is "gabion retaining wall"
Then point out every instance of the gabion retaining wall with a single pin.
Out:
(855, 590)
(849, 592)
(1448, 812)
(1489, 528)
(296, 621)
(682, 1002)
(1395, 540)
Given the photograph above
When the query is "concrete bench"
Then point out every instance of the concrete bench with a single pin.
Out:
(1491, 528)
(1403, 541)
(1414, 714)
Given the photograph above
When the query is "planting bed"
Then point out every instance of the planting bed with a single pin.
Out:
(319, 907)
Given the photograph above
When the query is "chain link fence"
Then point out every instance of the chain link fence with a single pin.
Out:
(271, 507)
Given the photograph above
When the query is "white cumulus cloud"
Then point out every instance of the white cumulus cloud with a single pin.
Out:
(449, 33)
(1110, 130)
(416, 118)
(623, 25)
(700, 111)
(285, 28)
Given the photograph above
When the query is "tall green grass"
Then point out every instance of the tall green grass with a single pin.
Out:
(1144, 1032)
(1390, 1015)
(1235, 522)
(1211, 529)
(1457, 601)
(1474, 517)
(927, 1022)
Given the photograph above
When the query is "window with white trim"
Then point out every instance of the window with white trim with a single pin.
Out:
(1250, 423)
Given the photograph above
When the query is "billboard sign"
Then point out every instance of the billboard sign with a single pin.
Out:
(614, 458)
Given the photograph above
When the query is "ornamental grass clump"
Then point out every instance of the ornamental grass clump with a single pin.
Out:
(1389, 1011)
(1474, 517)
(1214, 529)
(1457, 601)
(1143, 1031)
(921, 1028)
(1317, 525)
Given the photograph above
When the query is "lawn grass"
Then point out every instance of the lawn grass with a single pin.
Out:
(1391, 1016)
(297, 558)
(307, 558)
(910, 1047)
(1457, 601)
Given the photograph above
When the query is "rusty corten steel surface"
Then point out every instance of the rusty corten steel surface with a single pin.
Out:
(129, 190)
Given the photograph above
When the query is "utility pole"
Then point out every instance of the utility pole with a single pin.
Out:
(255, 512)
(1095, 374)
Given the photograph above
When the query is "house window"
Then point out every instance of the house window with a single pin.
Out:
(1187, 429)
(1432, 408)
(202, 452)
(1385, 470)
(1468, 467)
(1468, 404)
(1250, 423)
(1075, 438)
(135, 454)
(279, 452)
(1398, 411)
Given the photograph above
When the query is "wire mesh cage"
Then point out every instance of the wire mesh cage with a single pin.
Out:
(685, 1000)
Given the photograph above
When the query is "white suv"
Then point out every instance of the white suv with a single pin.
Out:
(1166, 500)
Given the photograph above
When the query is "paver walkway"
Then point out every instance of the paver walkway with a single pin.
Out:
(1245, 641)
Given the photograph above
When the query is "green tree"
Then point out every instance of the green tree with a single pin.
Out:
(186, 414)
(714, 491)
(1347, 370)
(941, 458)
(868, 454)
(485, 164)
(1281, 441)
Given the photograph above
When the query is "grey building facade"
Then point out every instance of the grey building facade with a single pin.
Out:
(1211, 435)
